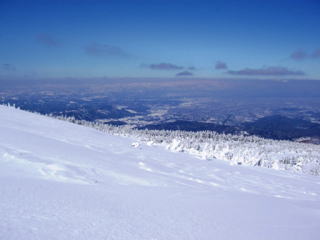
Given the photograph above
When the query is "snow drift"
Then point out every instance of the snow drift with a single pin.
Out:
(61, 181)
(236, 149)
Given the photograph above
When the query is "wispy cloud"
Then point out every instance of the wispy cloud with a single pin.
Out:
(269, 71)
(184, 74)
(47, 40)
(105, 50)
(220, 65)
(8, 67)
(302, 55)
(164, 66)
(316, 54)
(192, 68)
(299, 55)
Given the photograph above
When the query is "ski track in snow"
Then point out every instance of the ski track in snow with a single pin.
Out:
(63, 181)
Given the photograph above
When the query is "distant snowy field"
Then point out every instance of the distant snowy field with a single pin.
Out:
(61, 181)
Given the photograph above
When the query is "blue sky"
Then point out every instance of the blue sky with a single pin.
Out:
(160, 38)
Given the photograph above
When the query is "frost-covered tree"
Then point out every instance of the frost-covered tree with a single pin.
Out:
(237, 149)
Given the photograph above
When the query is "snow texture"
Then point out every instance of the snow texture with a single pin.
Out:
(236, 149)
(59, 180)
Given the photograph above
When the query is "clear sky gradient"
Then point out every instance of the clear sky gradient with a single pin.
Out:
(160, 38)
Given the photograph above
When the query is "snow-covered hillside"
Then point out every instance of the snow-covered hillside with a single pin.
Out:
(236, 149)
(60, 181)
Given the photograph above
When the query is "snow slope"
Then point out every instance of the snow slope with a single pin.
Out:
(64, 181)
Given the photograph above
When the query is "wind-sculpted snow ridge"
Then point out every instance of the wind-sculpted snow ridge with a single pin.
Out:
(236, 149)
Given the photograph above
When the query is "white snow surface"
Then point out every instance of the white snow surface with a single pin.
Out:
(59, 180)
